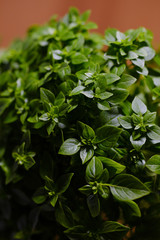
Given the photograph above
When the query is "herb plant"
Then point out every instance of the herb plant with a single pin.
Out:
(79, 134)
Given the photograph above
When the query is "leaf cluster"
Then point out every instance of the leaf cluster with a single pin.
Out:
(79, 132)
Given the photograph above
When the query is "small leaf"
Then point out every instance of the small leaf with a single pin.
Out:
(111, 78)
(86, 131)
(87, 190)
(53, 200)
(93, 205)
(70, 147)
(125, 121)
(60, 99)
(150, 53)
(63, 183)
(77, 90)
(139, 62)
(94, 169)
(126, 81)
(107, 135)
(78, 58)
(86, 154)
(111, 227)
(64, 215)
(130, 209)
(137, 144)
(4, 104)
(47, 96)
(39, 196)
(154, 133)
(132, 55)
(138, 106)
(149, 117)
(153, 164)
(112, 166)
(104, 191)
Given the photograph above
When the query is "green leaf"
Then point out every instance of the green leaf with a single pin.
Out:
(132, 55)
(119, 95)
(86, 131)
(60, 99)
(137, 144)
(64, 215)
(153, 164)
(107, 136)
(77, 232)
(104, 176)
(86, 154)
(47, 96)
(103, 105)
(103, 95)
(111, 78)
(139, 62)
(149, 117)
(93, 205)
(70, 147)
(110, 35)
(154, 133)
(112, 166)
(57, 54)
(138, 106)
(4, 104)
(126, 187)
(111, 227)
(150, 53)
(94, 169)
(130, 209)
(77, 90)
(90, 25)
(78, 58)
(39, 196)
(53, 200)
(126, 81)
(125, 121)
(104, 191)
(87, 190)
(119, 70)
(63, 183)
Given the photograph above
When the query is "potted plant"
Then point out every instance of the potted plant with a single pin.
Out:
(79, 134)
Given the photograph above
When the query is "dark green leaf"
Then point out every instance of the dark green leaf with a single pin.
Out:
(63, 183)
(126, 187)
(4, 104)
(93, 205)
(113, 167)
(64, 215)
(94, 169)
(47, 96)
(107, 135)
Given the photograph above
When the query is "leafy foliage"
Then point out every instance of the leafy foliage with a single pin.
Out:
(79, 132)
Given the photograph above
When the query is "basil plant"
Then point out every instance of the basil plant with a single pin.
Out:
(80, 134)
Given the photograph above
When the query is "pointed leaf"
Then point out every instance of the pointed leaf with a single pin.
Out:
(127, 187)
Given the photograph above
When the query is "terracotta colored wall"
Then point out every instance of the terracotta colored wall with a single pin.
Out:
(17, 15)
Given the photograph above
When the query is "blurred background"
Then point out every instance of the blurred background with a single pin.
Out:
(17, 15)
